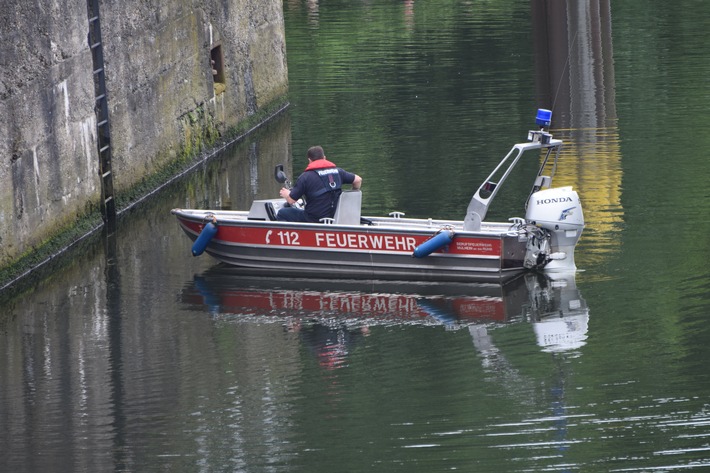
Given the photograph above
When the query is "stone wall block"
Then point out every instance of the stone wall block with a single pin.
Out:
(164, 103)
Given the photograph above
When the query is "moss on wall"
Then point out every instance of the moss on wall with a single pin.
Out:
(201, 141)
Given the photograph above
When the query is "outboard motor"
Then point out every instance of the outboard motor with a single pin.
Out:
(559, 211)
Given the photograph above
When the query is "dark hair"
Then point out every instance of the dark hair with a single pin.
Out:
(315, 152)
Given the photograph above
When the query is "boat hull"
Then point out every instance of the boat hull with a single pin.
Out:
(381, 250)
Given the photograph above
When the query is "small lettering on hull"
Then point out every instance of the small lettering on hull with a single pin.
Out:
(475, 246)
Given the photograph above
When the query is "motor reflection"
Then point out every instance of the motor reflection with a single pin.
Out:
(554, 307)
(559, 314)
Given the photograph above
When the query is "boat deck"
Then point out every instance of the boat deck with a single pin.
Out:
(388, 223)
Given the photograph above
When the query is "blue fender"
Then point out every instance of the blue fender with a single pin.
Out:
(439, 240)
(208, 232)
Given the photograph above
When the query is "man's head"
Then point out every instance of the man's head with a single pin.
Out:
(315, 152)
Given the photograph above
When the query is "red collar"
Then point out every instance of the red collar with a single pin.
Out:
(320, 164)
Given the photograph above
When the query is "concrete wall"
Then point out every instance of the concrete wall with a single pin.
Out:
(163, 102)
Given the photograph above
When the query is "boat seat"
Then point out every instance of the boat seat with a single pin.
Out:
(264, 209)
(349, 208)
(270, 211)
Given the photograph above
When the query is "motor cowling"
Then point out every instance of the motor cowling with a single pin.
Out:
(559, 211)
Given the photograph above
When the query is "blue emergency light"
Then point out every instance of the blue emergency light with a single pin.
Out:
(544, 117)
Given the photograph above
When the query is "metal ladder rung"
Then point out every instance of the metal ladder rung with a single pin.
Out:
(101, 110)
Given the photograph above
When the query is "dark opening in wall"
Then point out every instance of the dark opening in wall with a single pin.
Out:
(217, 62)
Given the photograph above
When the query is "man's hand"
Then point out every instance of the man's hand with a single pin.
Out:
(285, 194)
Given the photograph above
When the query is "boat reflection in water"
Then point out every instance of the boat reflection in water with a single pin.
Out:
(558, 313)
(551, 302)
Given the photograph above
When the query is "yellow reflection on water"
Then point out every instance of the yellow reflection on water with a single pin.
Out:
(590, 162)
(573, 47)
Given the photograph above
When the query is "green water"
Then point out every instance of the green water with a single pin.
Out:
(128, 354)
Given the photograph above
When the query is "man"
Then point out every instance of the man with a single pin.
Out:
(321, 185)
